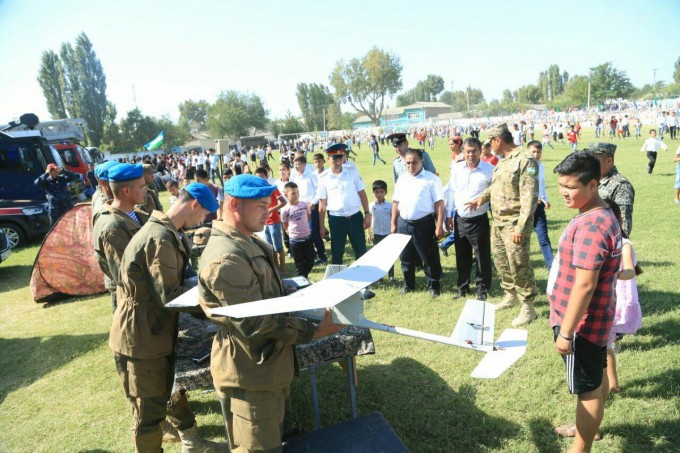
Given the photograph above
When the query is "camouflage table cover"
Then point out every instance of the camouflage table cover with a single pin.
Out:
(196, 336)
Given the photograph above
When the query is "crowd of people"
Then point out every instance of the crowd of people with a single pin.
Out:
(494, 199)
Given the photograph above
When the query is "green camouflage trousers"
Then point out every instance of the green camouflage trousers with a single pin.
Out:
(513, 264)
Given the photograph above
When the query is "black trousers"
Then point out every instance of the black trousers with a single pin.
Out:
(473, 234)
(651, 155)
(303, 255)
(423, 244)
(674, 132)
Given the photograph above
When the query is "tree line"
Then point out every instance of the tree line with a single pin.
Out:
(74, 85)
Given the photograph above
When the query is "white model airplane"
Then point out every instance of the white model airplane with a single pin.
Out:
(341, 291)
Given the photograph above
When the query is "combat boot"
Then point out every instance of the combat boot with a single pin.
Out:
(526, 315)
(192, 442)
(508, 301)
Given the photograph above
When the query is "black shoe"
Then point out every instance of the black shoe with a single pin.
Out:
(405, 290)
(461, 293)
(443, 249)
(482, 295)
(434, 293)
(367, 294)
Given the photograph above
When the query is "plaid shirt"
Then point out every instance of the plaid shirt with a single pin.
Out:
(592, 241)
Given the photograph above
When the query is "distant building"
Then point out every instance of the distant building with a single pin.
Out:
(406, 116)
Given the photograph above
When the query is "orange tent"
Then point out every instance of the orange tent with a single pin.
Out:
(65, 264)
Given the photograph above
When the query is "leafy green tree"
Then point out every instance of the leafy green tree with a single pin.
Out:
(528, 94)
(458, 100)
(234, 113)
(424, 91)
(291, 124)
(136, 129)
(607, 82)
(74, 83)
(193, 114)
(364, 83)
(316, 102)
(51, 80)
(174, 135)
(575, 93)
(111, 137)
(551, 82)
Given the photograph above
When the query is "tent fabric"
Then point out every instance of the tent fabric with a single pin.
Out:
(65, 264)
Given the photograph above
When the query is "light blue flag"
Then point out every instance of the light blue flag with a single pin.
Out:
(156, 143)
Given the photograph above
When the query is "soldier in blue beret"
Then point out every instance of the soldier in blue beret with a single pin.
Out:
(103, 192)
(252, 358)
(143, 332)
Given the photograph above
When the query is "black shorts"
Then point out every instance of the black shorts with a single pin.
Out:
(585, 365)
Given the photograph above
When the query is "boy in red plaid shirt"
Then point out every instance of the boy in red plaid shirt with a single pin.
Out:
(582, 293)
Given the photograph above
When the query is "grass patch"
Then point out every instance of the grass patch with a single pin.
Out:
(59, 390)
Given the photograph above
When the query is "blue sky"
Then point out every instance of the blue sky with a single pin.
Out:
(171, 51)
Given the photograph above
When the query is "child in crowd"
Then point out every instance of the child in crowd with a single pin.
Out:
(638, 129)
(296, 216)
(381, 211)
(173, 188)
(628, 317)
(487, 155)
(319, 163)
(652, 145)
(227, 174)
(272, 229)
(546, 137)
(540, 222)
(572, 137)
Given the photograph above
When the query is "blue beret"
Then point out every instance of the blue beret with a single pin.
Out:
(203, 195)
(125, 172)
(336, 149)
(248, 186)
(101, 171)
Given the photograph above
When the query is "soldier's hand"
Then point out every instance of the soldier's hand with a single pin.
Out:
(517, 238)
(449, 223)
(473, 205)
(327, 327)
(439, 232)
(367, 221)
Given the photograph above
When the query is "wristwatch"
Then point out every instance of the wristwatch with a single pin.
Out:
(571, 338)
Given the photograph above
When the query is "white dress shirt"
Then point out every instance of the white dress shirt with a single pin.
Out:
(542, 193)
(341, 192)
(382, 217)
(307, 184)
(653, 145)
(465, 185)
(417, 194)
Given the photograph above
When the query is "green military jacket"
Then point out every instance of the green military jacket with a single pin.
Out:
(151, 274)
(251, 353)
(151, 200)
(616, 187)
(513, 192)
(112, 232)
(98, 199)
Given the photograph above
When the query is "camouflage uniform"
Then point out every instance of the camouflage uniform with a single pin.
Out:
(513, 195)
(144, 333)
(113, 230)
(57, 192)
(616, 187)
(252, 360)
(99, 198)
(151, 200)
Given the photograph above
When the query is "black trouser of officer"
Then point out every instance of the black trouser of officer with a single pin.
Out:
(473, 234)
(651, 155)
(423, 244)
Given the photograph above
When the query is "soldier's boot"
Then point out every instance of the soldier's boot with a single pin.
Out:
(526, 315)
(508, 301)
(192, 442)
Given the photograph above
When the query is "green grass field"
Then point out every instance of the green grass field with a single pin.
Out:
(59, 391)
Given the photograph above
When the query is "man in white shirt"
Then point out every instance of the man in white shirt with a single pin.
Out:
(214, 166)
(418, 210)
(469, 178)
(672, 124)
(652, 145)
(307, 181)
(342, 194)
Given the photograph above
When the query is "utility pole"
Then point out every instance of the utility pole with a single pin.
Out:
(467, 95)
(324, 121)
(134, 95)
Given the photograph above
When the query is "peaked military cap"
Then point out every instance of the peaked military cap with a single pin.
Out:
(396, 138)
(497, 131)
(337, 149)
